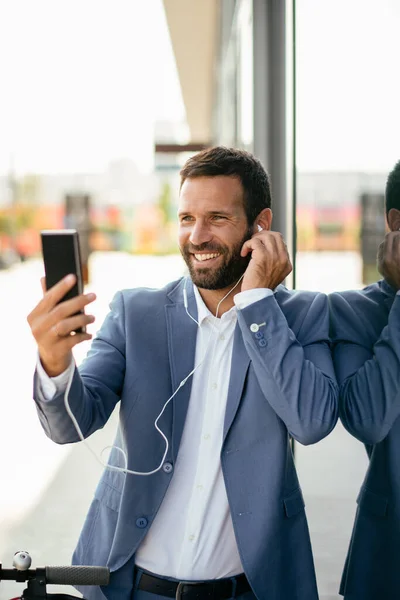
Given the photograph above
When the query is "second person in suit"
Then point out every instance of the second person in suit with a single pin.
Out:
(366, 339)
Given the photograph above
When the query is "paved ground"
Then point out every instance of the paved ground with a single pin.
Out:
(46, 488)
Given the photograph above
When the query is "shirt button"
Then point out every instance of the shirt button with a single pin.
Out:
(207, 436)
(191, 538)
(254, 327)
(200, 488)
(141, 522)
(262, 343)
(214, 386)
(167, 467)
(222, 337)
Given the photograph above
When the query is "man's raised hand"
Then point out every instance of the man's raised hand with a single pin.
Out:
(53, 324)
(270, 262)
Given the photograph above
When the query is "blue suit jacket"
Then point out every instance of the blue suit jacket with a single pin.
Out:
(280, 383)
(366, 337)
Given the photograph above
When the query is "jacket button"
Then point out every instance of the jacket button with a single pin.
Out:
(167, 467)
(262, 343)
(259, 336)
(141, 522)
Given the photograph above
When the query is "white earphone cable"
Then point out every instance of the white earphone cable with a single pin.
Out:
(182, 383)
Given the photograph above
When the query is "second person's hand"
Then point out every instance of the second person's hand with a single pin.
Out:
(388, 259)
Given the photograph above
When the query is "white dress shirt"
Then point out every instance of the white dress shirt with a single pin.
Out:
(192, 536)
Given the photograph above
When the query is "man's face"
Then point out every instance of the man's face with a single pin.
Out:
(212, 230)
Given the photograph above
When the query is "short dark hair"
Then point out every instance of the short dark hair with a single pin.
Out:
(392, 192)
(235, 163)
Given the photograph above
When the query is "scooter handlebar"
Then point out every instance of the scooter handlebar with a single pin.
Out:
(77, 575)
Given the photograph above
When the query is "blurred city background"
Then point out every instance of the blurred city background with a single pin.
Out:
(101, 104)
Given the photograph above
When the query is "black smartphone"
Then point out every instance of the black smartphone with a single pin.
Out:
(61, 256)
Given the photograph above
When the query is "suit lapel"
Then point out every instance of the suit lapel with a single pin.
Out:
(239, 367)
(182, 334)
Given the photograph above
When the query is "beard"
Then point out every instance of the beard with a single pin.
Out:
(217, 278)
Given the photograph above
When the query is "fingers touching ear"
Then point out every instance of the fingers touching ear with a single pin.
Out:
(43, 284)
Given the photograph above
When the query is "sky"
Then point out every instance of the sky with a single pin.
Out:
(348, 84)
(83, 81)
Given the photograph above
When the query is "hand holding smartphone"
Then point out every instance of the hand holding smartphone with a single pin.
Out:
(61, 256)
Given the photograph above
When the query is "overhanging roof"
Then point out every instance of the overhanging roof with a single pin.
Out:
(193, 29)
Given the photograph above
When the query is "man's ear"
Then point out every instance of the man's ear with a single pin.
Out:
(264, 220)
(393, 219)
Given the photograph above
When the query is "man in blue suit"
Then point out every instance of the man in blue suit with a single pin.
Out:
(366, 336)
(227, 363)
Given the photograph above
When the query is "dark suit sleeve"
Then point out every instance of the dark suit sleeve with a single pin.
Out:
(368, 371)
(295, 374)
(96, 385)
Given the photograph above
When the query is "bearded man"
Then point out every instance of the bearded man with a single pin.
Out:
(228, 364)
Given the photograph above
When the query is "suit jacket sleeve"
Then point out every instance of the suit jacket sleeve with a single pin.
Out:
(93, 403)
(367, 365)
(295, 372)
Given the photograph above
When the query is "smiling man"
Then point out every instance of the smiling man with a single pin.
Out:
(211, 240)
(228, 364)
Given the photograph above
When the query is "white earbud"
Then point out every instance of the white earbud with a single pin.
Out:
(259, 228)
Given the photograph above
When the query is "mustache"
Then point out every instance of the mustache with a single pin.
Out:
(192, 249)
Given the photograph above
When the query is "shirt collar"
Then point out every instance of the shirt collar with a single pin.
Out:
(203, 312)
